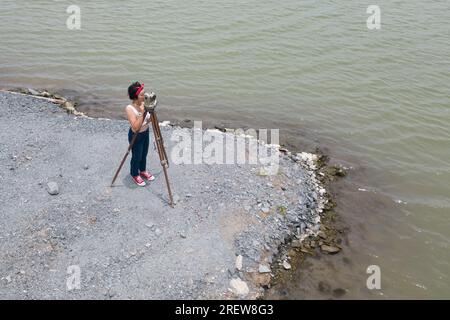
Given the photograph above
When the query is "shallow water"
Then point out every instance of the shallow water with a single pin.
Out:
(376, 100)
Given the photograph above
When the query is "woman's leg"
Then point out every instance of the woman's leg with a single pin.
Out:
(136, 153)
(145, 144)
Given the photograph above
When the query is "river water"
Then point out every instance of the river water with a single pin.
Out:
(377, 101)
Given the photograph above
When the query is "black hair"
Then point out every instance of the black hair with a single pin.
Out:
(132, 89)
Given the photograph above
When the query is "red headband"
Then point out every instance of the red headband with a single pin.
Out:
(140, 89)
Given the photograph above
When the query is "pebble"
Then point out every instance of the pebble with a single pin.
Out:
(329, 249)
(239, 262)
(239, 287)
(52, 188)
(286, 265)
(85, 167)
(33, 92)
(264, 268)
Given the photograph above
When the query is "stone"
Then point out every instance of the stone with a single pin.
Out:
(69, 107)
(52, 188)
(33, 92)
(158, 232)
(176, 199)
(265, 210)
(149, 225)
(264, 268)
(239, 287)
(329, 249)
(238, 263)
(8, 279)
(247, 208)
(85, 167)
(286, 265)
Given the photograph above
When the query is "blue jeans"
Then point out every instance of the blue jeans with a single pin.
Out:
(138, 152)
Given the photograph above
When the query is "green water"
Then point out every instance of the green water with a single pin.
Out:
(376, 100)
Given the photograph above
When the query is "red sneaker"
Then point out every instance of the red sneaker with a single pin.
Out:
(147, 175)
(138, 180)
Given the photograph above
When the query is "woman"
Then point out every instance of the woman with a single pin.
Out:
(135, 115)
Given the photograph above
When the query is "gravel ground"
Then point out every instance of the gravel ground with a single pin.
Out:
(126, 241)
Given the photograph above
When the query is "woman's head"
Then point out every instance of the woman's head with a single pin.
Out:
(136, 91)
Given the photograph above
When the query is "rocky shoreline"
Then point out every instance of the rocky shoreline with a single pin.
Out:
(232, 232)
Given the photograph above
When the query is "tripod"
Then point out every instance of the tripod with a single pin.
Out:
(160, 146)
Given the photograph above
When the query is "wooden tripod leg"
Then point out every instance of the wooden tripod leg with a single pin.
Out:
(161, 139)
(162, 154)
(133, 140)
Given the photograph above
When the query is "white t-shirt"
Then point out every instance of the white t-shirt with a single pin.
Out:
(146, 122)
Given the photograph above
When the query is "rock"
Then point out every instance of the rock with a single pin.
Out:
(8, 279)
(183, 235)
(238, 263)
(247, 208)
(28, 158)
(149, 225)
(265, 210)
(210, 279)
(85, 167)
(286, 265)
(188, 195)
(116, 210)
(329, 249)
(158, 232)
(176, 199)
(45, 94)
(33, 92)
(69, 107)
(52, 188)
(239, 287)
(264, 268)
